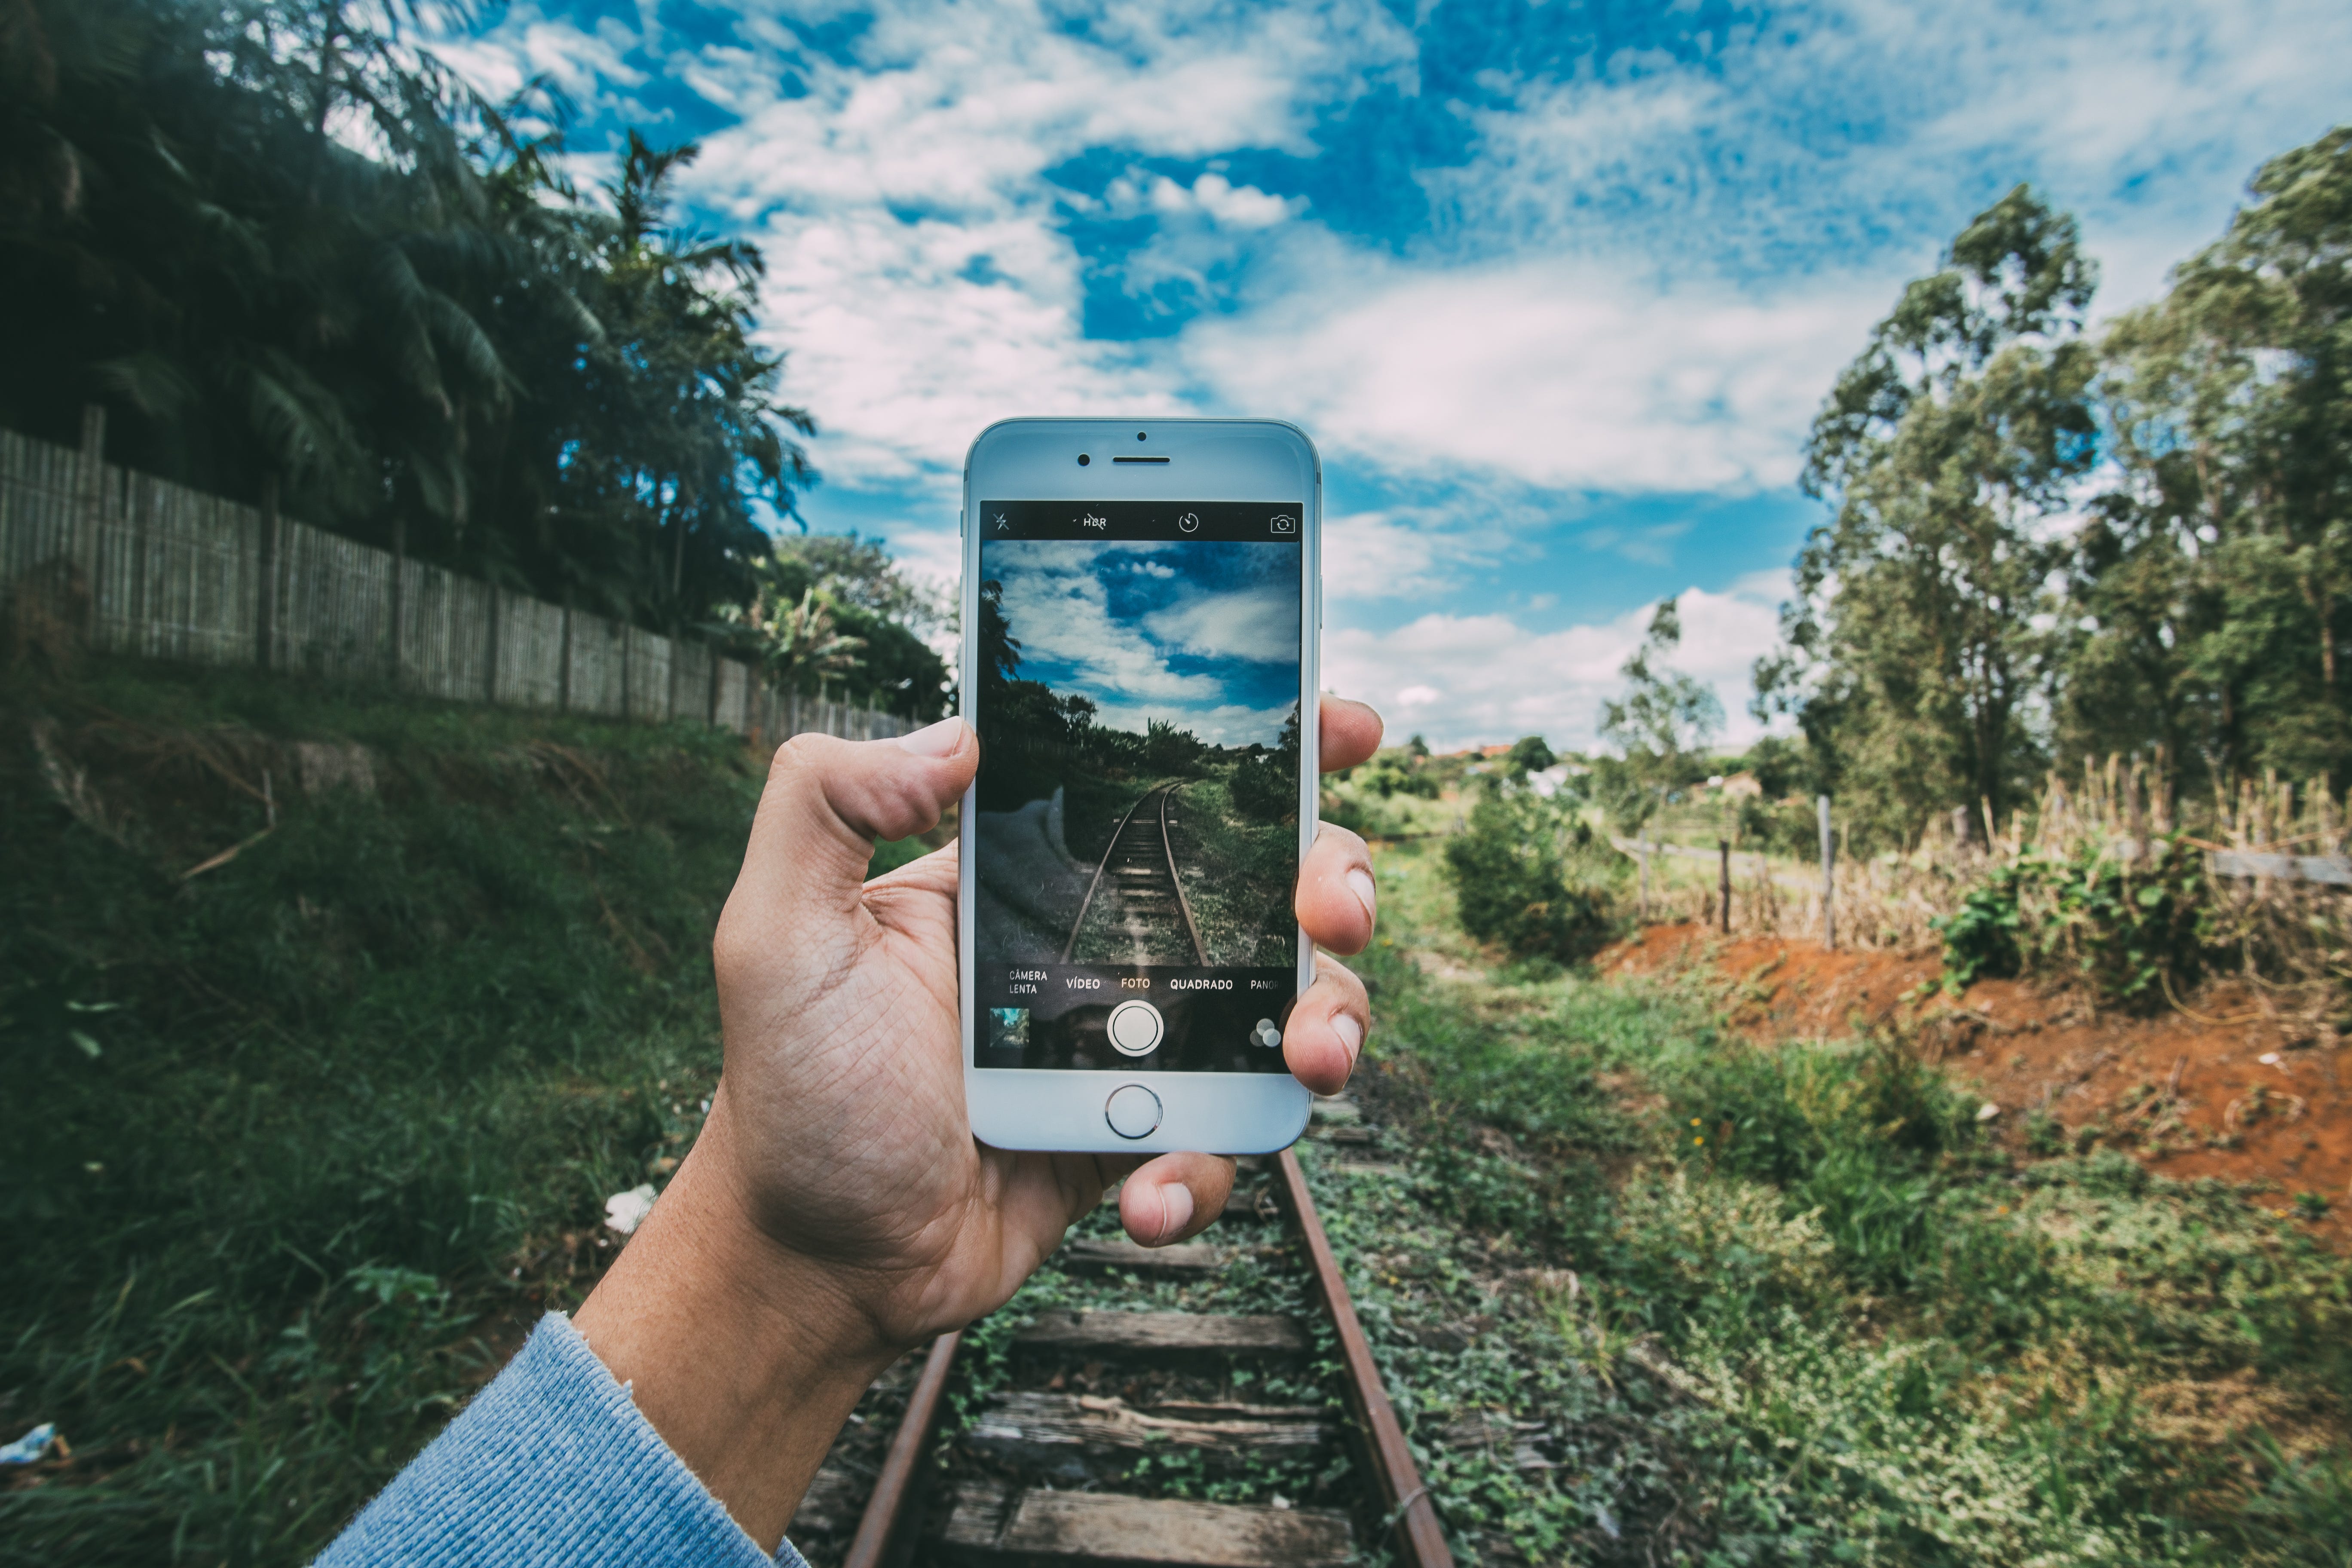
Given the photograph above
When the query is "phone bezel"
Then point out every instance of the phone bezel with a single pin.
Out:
(1231, 460)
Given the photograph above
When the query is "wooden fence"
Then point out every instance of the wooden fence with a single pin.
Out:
(153, 568)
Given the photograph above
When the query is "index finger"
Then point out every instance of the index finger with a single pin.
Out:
(1350, 732)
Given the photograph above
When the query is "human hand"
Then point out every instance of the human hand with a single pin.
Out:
(836, 1209)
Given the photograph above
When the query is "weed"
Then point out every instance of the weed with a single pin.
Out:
(358, 1094)
(1785, 1305)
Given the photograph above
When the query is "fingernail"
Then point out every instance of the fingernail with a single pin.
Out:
(1366, 894)
(939, 740)
(1175, 1211)
(1350, 1033)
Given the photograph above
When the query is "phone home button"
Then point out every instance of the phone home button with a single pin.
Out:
(1135, 1027)
(1133, 1112)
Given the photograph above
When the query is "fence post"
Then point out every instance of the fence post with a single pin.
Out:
(1642, 904)
(564, 659)
(1723, 850)
(490, 651)
(1828, 884)
(399, 591)
(93, 494)
(265, 620)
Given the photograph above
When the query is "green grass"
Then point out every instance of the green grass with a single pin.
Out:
(1734, 1305)
(298, 1148)
(1238, 873)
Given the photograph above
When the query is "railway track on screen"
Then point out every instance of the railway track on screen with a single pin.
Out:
(1044, 1473)
(1135, 910)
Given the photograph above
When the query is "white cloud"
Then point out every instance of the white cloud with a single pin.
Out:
(918, 269)
(1643, 277)
(1260, 624)
(1848, 125)
(1061, 614)
(1566, 376)
(1460, 679)
(1411, 552)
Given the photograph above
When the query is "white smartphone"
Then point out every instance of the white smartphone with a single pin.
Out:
(1141, 603)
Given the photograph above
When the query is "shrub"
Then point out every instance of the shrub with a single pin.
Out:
(1518, 887)
(2127, 931)
(1266, 789)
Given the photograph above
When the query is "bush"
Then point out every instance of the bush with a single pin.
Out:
(2126, 931)
(1517, 888)
(1266, 789)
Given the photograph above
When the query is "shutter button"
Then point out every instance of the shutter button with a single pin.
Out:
(1132, 1112)
(1135, 1027)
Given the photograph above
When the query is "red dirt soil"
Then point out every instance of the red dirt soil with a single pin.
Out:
(2221, 1088)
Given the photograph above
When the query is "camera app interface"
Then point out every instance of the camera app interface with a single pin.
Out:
(1136, 838)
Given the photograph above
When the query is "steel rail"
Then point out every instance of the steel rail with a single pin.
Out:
(1175, 880)
(1109, 850)
(1421, 1541)
(871, 1546)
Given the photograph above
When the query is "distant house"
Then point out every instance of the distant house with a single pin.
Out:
(1739, 785)
(1489, 752)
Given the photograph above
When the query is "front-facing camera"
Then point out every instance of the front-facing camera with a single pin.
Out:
(1084, 459)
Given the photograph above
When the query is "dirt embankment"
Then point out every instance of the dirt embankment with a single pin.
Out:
(2223, 1088)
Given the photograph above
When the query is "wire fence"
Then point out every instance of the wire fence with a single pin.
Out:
(131, 563)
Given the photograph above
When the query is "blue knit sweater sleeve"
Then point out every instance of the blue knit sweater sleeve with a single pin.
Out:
(552, 1464)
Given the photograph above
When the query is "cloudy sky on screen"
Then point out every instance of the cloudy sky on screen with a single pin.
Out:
(1555, 287)
(1204, 636)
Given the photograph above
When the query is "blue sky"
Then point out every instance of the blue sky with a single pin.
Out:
(1202, 636)
(1556, 286)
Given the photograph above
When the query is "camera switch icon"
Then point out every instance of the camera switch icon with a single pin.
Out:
(1283, 523)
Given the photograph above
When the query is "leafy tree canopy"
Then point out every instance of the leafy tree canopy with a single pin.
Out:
(1662, 726)
(282, 243)
(1912, 657)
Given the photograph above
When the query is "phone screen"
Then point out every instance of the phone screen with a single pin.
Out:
(1136, 840)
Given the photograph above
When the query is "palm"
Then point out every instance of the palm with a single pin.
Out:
(875, 1166)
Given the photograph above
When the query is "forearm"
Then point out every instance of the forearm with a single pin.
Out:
(746, 1360)
(551, 1464)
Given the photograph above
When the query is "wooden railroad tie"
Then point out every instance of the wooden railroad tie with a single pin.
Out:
(1163, 1335)
(990, 1524)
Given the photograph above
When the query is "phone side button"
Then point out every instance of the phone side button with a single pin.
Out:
(1133, 1112)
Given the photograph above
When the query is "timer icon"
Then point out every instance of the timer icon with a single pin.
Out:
(1190, 522)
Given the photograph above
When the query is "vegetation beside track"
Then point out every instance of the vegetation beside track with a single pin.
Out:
(299, 1147)
(1647, 1293)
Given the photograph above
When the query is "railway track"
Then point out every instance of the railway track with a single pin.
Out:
(1057, 1468)
(1135, 911)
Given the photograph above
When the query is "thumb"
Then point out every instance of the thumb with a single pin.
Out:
(827, 800)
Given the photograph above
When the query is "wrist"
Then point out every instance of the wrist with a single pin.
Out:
(746, 1356)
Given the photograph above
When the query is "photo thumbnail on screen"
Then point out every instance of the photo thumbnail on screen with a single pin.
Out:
(1136, 844)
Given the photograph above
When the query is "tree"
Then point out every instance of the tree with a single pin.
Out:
(1911, 655)
(868, 599)
(796, 642)
(2211, 582)
(1661, 726)
(279, 241)
(1529, 754)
